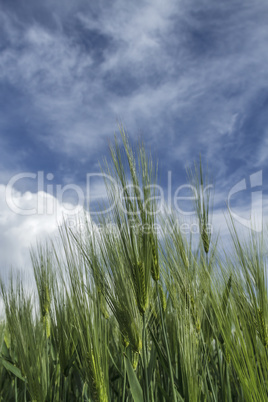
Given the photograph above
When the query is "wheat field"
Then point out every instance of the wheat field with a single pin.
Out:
(134, 315)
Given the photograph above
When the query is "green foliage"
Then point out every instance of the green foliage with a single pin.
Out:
(130, 314)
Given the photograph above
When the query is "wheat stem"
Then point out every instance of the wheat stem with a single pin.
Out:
(145, 363)
(166, 344)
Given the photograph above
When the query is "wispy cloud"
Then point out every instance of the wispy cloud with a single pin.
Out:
(190, 70)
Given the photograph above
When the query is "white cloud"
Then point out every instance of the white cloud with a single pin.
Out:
(19, 231)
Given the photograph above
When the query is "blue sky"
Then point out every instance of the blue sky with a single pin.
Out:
(189, 77)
